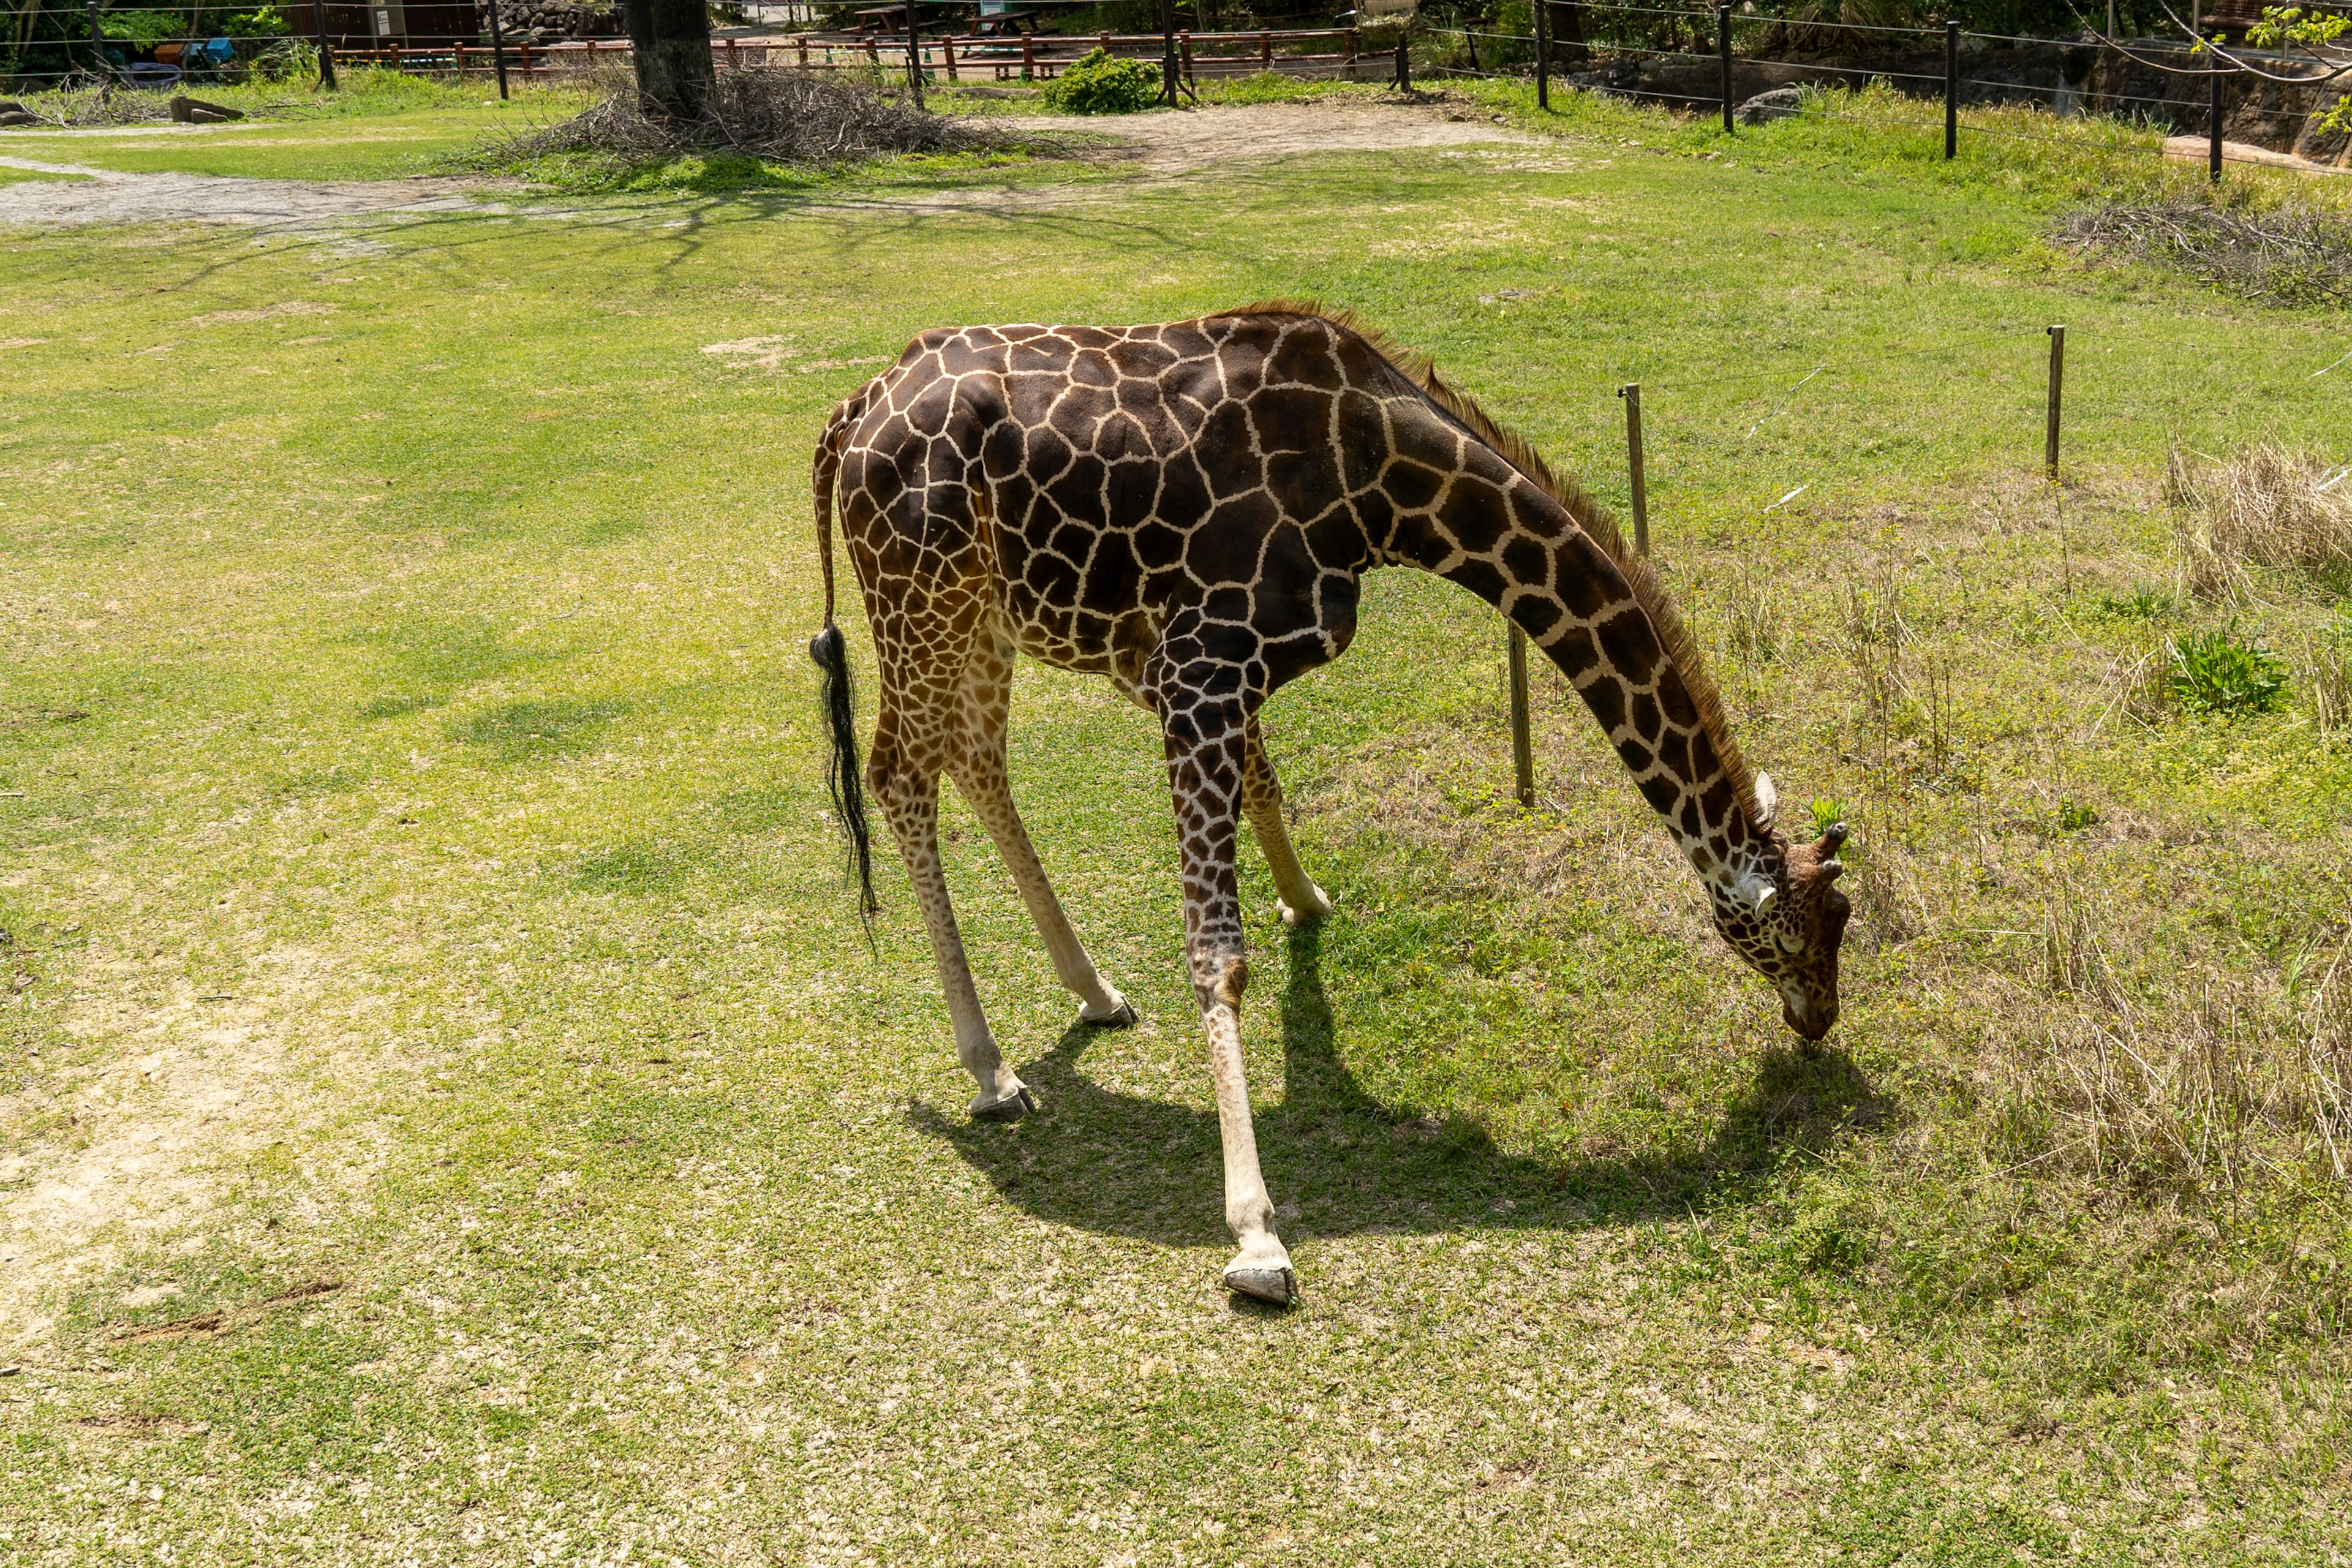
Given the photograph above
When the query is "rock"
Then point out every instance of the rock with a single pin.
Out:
(1778, 104)
(197, 111)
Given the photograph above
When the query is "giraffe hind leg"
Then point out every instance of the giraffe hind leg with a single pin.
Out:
(1299, 899)
(909, 795)
(979, 774)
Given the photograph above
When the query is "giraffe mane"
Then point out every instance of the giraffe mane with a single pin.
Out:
(1419, 371)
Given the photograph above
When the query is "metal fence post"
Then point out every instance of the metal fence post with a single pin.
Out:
(2213, 124)
(1952, 91)
(2057, 392)
(1543, 54)
(1723, 49)
(1632, 392)
(498, 48)
(1523, 749)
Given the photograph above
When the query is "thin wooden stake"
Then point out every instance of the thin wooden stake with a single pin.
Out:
(2057, 392)
(1523, 749)
(1632, 392)
(1952, 91)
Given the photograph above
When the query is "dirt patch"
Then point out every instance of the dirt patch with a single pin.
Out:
(1177, 143)
(111, 197)
(1164, 144)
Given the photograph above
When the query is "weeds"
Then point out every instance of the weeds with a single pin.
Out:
(2216, 674)
(1871, 634)
(2143, 602)
(2323, 671)
(1752, 615)
(2266, 507)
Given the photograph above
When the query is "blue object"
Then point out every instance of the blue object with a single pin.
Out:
(221, 50)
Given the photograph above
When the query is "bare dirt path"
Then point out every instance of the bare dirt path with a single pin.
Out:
(111, 197)
(1164, 144)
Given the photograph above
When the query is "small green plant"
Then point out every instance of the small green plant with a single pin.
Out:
(1828, 812)
(1101, 83)
(2073, 816)
(2216, 673)
(2146, 602)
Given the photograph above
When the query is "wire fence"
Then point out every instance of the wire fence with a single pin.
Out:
(1681, 57)
(1692, 59)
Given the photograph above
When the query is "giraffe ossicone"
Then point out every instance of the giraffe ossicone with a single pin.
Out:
(1187, 508)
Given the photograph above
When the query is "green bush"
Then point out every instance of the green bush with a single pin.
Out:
(143, 29)
(2214, 673)
(1101, 83)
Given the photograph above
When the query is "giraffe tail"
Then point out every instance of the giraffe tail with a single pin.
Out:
(836, 698)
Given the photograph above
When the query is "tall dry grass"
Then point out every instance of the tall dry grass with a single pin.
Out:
(2265, 507)
(2212, 1086)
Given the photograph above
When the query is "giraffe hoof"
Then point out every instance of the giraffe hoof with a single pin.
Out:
(1279, 1286)
(1012, 1108)
(1304, 914)
(1122, 1015)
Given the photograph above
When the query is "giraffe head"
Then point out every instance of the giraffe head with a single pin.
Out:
(1786, 917)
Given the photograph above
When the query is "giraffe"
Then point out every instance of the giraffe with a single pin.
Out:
(1188, 509)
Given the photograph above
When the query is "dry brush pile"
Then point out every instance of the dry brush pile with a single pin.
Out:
(782, 115)
(2292, 256)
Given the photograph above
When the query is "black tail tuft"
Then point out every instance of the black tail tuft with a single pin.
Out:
(842, 776)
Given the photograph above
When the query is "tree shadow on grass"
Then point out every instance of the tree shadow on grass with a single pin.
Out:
(1120, 1164)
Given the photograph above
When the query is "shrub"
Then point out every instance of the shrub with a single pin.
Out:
(2215, 673)
(1100, 83)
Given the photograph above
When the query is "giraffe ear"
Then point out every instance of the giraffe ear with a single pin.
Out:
(1768, 800)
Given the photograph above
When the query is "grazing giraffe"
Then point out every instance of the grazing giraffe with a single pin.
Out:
(1188, 509)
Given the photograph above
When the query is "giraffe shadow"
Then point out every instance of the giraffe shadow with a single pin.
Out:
(1123, 1165)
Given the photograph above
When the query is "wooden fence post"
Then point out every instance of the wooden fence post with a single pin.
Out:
(1543, 54)
(1523, 749)
(1632, 392)
(1404, 64)
(1723, 51)
(1266, 51)
(326, 53)
(2213, 125)
(2057, 392)
(1028, 55)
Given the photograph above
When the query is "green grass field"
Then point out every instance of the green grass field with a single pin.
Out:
(452, 1114)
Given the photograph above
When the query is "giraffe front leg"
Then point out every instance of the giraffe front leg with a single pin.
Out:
(1206, 774)
(909, 797)
(1298, 899)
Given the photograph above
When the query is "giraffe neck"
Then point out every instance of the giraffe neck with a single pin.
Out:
(1636, 675)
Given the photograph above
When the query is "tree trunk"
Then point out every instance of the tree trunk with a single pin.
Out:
(669, 43)
(1568, 35)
